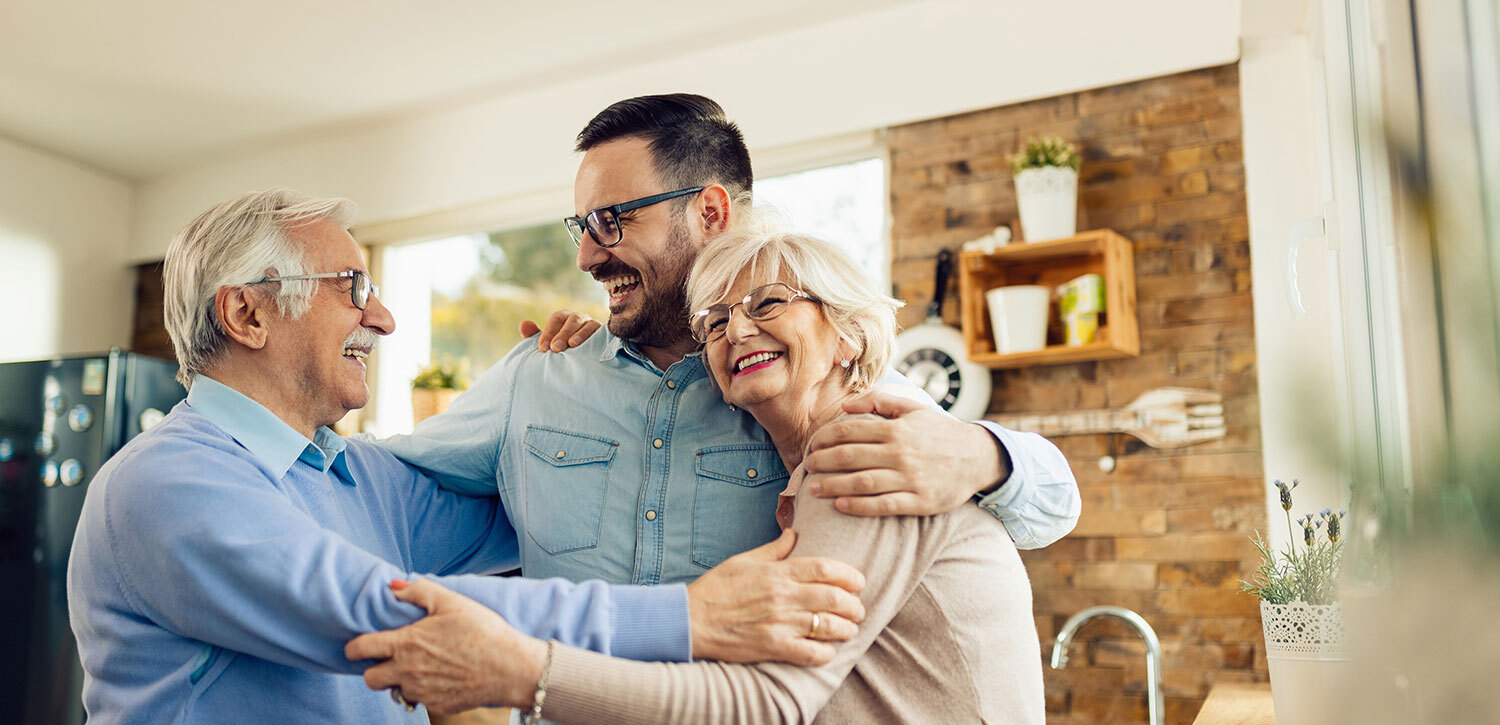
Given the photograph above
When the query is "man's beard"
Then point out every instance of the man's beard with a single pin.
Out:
(661, 320)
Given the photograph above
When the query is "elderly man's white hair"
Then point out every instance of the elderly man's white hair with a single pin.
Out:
(235, 243)
(758, 245)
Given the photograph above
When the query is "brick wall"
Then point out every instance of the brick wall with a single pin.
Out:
(1165, 534)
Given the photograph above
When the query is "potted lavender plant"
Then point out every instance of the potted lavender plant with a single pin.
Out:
(1300, 615)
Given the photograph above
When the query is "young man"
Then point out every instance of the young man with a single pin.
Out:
(224, 558)
(618, 460)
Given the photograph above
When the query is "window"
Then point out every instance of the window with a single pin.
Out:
(845, 204)
(463, 298)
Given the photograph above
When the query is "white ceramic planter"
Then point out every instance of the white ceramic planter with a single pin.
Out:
(1048, 201)
(1308, 658)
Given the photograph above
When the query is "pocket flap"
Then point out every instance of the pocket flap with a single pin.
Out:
(744, 465)
(564, 448)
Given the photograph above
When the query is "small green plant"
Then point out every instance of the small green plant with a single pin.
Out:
(442, 374)
(1043, 152)
(1309, 576)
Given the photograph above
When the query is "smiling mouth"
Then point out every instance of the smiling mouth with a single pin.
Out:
(620, 287)
(357, 354)
(755, 361)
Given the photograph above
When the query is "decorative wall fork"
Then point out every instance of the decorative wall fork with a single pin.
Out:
(1160, 418)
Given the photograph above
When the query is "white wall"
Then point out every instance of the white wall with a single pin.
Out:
(65, 285)
(886, 67)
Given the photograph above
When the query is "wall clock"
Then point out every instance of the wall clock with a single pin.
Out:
(931, 355)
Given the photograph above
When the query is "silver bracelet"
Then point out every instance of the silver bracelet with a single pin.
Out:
(534, 715)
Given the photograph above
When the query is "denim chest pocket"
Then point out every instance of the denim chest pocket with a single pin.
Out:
(734, 504)
(567, 477)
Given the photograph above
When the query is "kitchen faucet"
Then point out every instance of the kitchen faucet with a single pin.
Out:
(1153, 650)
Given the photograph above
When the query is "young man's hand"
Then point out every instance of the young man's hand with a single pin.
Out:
(564, 330)
(760, 605)
(907, 459)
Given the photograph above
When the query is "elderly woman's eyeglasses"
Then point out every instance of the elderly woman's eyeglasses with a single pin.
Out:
(763, 303)
(604, 223)
(360, 291)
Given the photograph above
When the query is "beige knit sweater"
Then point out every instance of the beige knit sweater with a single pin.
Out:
(948, 638)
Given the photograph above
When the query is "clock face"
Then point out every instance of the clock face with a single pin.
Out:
(933, 371)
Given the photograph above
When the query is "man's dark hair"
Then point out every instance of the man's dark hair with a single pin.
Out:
(691, 141)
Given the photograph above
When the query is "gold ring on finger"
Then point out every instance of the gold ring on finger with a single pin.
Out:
(812, 632)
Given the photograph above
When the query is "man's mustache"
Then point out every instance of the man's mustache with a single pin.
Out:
(362, 337)
(613, 269)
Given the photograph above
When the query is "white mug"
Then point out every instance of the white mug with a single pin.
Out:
(1018, 317)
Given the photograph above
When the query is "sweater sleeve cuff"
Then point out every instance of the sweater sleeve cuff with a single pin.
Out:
(651, 624)
(583, 688)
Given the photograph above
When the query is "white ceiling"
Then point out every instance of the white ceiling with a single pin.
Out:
(144, 87)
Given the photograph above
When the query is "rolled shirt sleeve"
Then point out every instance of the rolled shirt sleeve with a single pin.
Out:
(1039, 503)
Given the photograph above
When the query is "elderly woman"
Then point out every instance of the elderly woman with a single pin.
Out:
(792, 328)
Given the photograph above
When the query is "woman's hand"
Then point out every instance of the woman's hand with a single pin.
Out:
(565, 329)
(462, 655)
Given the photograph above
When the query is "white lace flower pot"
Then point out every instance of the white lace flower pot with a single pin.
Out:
(1308, 659)
(1048, 201)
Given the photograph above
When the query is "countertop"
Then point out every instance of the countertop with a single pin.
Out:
(1237, 704)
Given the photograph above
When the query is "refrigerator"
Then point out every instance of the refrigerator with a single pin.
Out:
(60, 420)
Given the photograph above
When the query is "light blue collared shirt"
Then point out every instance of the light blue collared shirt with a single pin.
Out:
(613, 468)
(223, 560)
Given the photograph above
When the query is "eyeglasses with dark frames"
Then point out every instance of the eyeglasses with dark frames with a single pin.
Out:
(360, 291)
(763, 303)
(604, 223)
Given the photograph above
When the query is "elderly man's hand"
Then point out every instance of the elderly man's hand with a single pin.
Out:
(911, 460)
(460, 656)
(758, 606)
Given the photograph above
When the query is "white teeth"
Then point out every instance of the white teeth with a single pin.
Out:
(613, 285)
(756, 359)
(356, 354)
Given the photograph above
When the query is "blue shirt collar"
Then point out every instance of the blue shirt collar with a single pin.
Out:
(614, 346)
(265, 436)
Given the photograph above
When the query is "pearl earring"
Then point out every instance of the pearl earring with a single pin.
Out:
(732, 408)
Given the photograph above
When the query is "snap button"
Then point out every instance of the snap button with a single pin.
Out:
(650, 515)
(560, 454)
(656, 443)
(751, 473)
(991, 506)
(672, 384)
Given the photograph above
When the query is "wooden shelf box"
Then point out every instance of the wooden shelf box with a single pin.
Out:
(1052, 263)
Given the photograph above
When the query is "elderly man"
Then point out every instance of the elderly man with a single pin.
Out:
(225, 557)
(619, 460)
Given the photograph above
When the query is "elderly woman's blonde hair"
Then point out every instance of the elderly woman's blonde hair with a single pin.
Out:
(863, 317)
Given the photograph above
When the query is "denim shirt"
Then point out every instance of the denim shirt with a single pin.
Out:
(610, 467)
